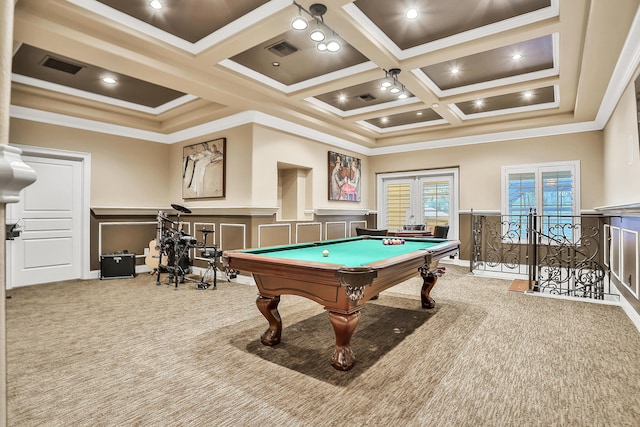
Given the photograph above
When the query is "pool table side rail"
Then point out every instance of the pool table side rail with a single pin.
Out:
(260, 261)
(319, 282)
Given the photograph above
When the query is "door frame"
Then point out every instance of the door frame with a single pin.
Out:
(85, 193)
(416, 175)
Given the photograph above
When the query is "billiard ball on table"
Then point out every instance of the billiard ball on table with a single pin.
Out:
(393, 241)
(325, 253)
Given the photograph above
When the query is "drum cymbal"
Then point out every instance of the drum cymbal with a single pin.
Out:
(181, 208)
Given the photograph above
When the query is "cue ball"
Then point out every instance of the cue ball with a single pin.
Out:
(325, 253)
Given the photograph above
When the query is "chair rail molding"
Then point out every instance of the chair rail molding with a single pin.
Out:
(628, 209)
(14, 174)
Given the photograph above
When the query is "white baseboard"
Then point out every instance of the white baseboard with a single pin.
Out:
(630, 311)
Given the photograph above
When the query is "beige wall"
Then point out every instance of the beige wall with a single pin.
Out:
(238, 169)
(271, 146)
(480, 165)
(133, 173)
(621, 153)
(125, 172)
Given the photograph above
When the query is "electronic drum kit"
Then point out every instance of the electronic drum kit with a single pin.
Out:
(173, 246)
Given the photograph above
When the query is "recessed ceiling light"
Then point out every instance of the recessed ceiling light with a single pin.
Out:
(275, 63)
(455, 70)
(156, 4)
(528, 94)
(109, 80)
(479, 102)
(419, 113)
(342, 98)
(516, 56)
(384, 119)
(435, 105)
(411, 13)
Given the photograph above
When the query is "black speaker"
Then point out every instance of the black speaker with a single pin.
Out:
(117, 266)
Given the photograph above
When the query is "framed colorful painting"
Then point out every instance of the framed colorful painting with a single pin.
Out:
(344, 177)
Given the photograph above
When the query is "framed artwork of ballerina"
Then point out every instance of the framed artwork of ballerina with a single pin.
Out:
(344, 177)
(203, 169)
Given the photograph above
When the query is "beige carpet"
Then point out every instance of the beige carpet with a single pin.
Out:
(130, 353)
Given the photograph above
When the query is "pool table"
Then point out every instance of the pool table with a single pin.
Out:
(354, 271)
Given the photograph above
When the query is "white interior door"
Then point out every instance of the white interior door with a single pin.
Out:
(49, 215)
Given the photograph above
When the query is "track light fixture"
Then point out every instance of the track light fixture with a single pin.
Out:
(299, 23)
(391, 83)
(320, 29)
(317, 35)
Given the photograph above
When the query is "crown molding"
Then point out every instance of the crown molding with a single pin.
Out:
(340, 211)
(209, 210)
(626, 209)
(256, 117)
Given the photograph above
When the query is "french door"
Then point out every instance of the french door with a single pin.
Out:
(413, 198)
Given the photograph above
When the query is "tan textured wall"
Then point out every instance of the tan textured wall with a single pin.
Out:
(621, 153)
(480, 165)
(125, 172)
(272, 146)
(238, 169)
(128, 172)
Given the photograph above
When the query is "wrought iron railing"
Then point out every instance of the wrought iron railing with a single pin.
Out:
(559, 255)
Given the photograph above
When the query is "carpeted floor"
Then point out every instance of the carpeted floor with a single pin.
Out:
(130, 353)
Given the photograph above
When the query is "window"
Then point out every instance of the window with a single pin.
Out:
(398, 197)
(551, 189)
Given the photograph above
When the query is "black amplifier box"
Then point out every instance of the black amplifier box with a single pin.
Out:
(117, 266)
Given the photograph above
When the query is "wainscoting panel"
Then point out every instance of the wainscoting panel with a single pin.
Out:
(132, 237)
(615, 252)
(308, 232)
(356, 224)
(606, 248)
(200, 237)
(232, 236)
(274, 235)
(629, 258)
(336, 230)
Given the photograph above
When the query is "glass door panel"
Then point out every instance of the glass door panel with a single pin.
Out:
(436, 201)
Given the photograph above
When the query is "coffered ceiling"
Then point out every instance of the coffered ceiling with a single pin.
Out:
(467, 68)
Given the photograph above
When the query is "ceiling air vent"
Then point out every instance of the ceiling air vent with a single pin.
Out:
(366, 97)
(60, 65)
(282, 48)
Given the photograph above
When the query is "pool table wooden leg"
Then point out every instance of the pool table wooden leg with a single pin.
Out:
(268, 306)
(343, 326)
(429, 279)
